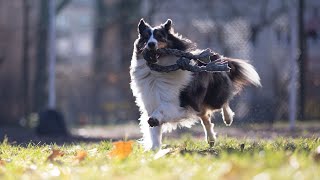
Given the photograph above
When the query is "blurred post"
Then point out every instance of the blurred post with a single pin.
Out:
(25, 58)
(51, 122)
(302, 59)
(52, 54)
(40, 93)
(293, 64)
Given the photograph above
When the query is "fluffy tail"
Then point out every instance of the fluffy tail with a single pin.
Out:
(242, 73)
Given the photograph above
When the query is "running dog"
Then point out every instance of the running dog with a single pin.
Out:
(181, 98)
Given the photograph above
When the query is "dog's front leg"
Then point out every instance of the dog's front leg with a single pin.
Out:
(166, 112)
(156, 137)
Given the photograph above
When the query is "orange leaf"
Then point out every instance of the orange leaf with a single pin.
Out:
(2, 162)
(81, 155)
(121, 149)
(55, 153)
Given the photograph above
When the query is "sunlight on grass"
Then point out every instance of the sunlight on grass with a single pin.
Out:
(190, 159)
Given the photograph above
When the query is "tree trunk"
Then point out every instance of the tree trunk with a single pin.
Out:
(115, 23)
(40, 92)
(25, 58)
(100, 11)
(302, 59)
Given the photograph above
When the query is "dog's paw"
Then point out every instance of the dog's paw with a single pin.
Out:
(153, 122)
(211, 143)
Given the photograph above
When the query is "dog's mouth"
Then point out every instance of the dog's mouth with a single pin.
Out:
(150, 55)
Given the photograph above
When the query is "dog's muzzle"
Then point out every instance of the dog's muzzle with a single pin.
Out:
(151, 45)
(150, 56)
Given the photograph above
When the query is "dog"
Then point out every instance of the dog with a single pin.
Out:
(181, 98)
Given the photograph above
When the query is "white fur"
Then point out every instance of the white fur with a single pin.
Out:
(227, 114)
(152, 39)
(250, 73)
(157, 95)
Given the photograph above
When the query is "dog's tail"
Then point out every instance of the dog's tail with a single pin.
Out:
(242, 73)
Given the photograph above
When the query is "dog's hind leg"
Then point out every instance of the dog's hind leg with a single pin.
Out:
(227, 114)
(208, 128)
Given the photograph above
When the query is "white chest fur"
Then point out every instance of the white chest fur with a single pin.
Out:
(153, 89)
(157, 95)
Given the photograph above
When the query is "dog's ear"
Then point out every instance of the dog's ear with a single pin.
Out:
(168, 24)
(142, 26)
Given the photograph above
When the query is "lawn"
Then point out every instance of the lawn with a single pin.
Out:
(189, 158)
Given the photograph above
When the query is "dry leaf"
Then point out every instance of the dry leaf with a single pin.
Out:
(55, 153)
(121, 149)
(162, 152)
(81, 155)
(2, 162)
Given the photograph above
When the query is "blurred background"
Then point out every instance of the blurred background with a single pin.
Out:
(94, 43)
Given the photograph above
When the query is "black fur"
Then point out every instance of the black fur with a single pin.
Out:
(153, 122)
(163, 33)
(207, 90)
(175, 42)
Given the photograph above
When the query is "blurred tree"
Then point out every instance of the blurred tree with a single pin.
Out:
(302, 59)
(41, 74)
(11, 99)
(100, 26)
(25, 58)
(40, 93)
(113, 38)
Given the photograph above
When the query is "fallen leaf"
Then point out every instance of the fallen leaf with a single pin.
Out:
(162, 152)
(81, 155)
(55, 153)
(121, 149)
(2, 162)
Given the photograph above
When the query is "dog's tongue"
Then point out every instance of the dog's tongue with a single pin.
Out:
(150, 55)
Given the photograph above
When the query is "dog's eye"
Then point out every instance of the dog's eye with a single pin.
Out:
(158, 35)
(146, 34)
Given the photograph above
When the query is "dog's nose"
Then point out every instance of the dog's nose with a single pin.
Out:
(151, 45)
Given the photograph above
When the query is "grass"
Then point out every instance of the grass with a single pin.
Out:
(189, 159)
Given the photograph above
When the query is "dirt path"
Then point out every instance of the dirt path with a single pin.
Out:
(131, 131)
(252, 131)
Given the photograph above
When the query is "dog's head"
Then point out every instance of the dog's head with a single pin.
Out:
(162, 36)
(153, 38)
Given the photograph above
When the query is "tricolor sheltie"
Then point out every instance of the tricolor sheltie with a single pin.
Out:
(181, 98)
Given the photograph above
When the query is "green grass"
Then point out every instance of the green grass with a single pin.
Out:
(190, 159)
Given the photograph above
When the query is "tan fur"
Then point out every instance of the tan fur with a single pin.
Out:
(162, 45)
(208, 126)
